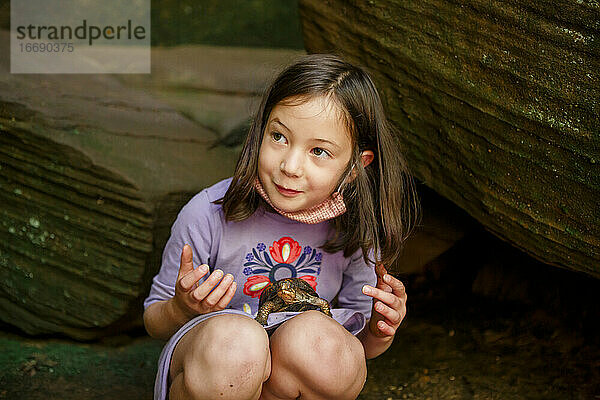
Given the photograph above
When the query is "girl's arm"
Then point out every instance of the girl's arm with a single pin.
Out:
(163, 318)
(373, 345)
(389, 309)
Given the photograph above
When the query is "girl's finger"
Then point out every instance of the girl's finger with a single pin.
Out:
(388, 298)
(385, 287)
(213, 298)
(385, 329)
(205, 288)
(187, 282)
(186, 263)
(397, 286)
(393, 317)
(224, 302)
(380, 271)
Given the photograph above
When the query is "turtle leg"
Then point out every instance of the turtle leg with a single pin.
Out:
(263, 312)
(324, 305)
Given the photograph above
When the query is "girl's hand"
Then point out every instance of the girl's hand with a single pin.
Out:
(389, 303)
(192, 299)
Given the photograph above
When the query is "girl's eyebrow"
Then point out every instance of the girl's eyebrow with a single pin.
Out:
(277, 121)
(328, 142)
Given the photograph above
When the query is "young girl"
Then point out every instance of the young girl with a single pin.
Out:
(320, 192)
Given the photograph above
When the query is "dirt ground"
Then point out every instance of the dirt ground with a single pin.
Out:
(456, 343)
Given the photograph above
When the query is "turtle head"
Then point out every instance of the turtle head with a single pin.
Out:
(286, 292)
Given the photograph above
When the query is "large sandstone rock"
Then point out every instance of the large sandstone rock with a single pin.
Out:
(497, 105)
(92, 175)
(218, 88)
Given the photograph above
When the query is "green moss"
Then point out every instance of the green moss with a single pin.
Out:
(572, 232)
(100, 366)
(254, 23)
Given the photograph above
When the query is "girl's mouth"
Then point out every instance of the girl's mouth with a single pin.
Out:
(287, 192)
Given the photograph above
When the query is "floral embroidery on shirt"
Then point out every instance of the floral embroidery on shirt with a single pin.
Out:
(285, 253)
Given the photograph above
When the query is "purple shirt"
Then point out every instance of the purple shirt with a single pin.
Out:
(264, 247)
(256, 251)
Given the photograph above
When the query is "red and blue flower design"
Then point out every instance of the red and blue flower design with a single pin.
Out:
(285, 254)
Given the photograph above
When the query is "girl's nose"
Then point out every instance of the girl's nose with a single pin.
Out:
(291, 165)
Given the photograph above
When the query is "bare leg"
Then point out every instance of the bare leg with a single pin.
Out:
(314, 357)
(224, 357)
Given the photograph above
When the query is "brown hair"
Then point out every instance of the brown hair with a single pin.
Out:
(382, 205)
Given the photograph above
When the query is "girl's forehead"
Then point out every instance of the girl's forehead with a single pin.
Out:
(308, 106)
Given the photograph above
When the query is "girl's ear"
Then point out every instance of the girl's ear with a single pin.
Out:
(366, 157)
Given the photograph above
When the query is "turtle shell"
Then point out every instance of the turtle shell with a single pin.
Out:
(290, 294)
(301, 288)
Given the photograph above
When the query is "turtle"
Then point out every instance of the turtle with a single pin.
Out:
(289, 294)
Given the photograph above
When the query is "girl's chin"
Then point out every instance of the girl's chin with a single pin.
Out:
(288, 205)
(287, 208)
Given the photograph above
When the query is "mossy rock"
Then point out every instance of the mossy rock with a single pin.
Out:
(497, 106)
(92, 175)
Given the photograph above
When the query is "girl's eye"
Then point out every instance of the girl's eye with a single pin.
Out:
(277, 137)
(319, 152)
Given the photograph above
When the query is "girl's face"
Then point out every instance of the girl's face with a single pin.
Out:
(305, 150)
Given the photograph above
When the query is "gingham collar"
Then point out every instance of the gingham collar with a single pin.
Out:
(329, 208)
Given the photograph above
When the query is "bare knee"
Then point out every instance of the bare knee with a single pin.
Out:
(327, 357)
(229, 338)
(227, 356)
